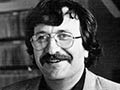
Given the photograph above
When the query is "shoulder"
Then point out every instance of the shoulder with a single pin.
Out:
(108, 84)
(24, 85)
(101, 83)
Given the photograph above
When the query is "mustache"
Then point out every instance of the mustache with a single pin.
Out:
(47, 58)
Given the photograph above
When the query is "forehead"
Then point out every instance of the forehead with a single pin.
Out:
(68, 25)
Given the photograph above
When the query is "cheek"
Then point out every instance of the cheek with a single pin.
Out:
(77, 50)
(37, 55)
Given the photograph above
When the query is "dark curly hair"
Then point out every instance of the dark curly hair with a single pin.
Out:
(52, 10)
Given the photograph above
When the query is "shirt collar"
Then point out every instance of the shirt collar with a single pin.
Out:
(80, 84)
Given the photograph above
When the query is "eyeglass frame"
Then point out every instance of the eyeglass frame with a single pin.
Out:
(50, 36)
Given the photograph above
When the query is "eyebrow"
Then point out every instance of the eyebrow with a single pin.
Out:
(60, 31)
(40, 32)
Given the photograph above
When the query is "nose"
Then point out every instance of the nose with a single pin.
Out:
(53, 47)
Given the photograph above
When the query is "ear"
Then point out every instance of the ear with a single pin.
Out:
(86, 53)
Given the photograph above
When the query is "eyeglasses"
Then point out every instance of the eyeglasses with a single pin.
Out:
(63, 39)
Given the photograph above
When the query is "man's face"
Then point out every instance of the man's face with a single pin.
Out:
(66, 67)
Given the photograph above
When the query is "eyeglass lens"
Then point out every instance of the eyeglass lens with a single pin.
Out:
(64, 40)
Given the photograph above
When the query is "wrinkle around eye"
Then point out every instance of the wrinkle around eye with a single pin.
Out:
(64, 36)
(43, 38)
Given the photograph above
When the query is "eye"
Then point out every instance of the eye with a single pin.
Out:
(63, 36)
(42, 38)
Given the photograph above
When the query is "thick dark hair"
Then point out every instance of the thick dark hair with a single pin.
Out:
(49, 12)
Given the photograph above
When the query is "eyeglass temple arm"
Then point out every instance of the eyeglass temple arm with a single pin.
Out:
(76, 37)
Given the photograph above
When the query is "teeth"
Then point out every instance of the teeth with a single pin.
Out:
(54, 61)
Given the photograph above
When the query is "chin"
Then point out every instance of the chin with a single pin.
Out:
(55, 77)
(56, 71)
(55, 74)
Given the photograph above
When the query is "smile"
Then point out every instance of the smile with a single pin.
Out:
(55, 61)
(55, 58)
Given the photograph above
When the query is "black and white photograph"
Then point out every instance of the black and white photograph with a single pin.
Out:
(59, 45)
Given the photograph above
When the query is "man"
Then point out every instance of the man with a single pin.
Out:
(61, 39)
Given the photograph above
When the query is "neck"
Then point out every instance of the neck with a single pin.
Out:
(64, 84)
